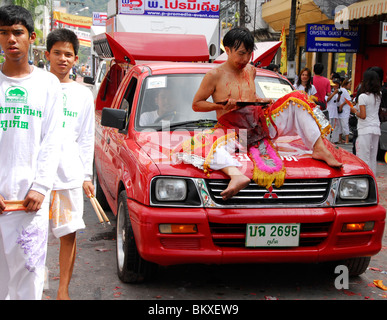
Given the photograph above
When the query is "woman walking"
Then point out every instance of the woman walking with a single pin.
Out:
(368, 126)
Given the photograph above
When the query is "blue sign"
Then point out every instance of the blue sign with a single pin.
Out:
(171, 8)
(326, 38)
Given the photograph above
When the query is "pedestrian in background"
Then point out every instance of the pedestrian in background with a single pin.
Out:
(367, 112)
(344, 112)
(304, 83)
(380, 73)
(76, 162)
(29, 156)
(347, 85)
(322, 85)
(332, 100)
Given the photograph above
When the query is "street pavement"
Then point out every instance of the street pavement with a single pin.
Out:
(95, 276)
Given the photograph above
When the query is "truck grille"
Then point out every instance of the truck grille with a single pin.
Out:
(234, 235)
(293, 192)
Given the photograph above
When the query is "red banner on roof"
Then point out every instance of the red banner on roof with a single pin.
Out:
(130, 46)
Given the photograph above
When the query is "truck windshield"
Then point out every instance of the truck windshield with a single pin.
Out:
(167, 100)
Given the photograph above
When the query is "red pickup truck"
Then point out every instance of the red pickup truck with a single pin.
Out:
(170, 212)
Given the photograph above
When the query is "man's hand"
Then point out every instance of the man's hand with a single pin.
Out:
(89, 189)
(33, 201)
(2, 204)
(228, 104)
(268, 100)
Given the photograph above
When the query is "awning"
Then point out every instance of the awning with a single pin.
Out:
(363, 9)
(276, 13)
(262, 56)
(130, 46)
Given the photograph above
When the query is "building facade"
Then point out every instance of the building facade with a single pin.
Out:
(360, 19)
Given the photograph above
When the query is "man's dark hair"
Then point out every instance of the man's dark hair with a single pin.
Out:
(318, 68)
(12, 14)
(379, 71)
(62, 35)
(235, 37)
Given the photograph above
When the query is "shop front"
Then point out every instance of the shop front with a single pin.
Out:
(371, 19)
(311, 14)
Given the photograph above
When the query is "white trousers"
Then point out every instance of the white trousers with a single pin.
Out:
(367, 149)
(344, 127)
(23, 248)
(334, 136)
(66, 211)
(296, 121)
(291, 121)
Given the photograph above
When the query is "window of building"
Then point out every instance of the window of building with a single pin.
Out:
(342, 64)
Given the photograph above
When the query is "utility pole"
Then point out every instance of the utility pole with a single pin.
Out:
(292, 38)
(242, 9)
(292, 30)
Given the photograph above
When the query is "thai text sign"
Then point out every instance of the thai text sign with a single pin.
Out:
(273, 235)
(72, 20)
(99, 18)
(326, 38)
(171, 8)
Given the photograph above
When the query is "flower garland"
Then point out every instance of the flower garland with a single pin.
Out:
(264, 174)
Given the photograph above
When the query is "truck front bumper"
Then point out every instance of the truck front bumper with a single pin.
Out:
(221, 233)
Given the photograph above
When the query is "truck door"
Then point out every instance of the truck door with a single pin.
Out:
(105, 97)
(115, 139)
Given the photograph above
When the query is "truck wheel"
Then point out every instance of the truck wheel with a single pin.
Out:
(131, 267)
(357, 266)
(100, 196)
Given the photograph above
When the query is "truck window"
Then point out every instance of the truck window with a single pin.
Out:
(169, 98)
(109, 87)
(127, 100)
(102, 73)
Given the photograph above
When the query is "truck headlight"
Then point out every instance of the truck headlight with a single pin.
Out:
(170, 189)
(173, 191)
(354, 188)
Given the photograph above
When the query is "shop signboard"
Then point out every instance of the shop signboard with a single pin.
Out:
(383, 32)
(99, 18)
(326, 38)
(171, 8)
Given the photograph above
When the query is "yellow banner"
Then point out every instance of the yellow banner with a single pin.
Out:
(84, 43)
(284, 52)
(73, 20)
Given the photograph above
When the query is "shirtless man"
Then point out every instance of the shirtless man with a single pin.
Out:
(233, 81)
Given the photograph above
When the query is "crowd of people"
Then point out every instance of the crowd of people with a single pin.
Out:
(345, 110)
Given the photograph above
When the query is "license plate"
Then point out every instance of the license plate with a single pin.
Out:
(273, 235)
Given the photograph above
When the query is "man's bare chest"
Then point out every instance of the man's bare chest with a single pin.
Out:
(236, 88)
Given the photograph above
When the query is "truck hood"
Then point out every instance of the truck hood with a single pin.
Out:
(162, 147)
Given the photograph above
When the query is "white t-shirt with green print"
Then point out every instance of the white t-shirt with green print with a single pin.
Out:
(76, 160)
(30, 133)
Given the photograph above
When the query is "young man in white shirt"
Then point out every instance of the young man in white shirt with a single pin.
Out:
(76, 164)
(344, 113)
(30, 110)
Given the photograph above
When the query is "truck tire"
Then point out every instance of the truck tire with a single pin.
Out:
(131, 268)
(357, 266)
(99, 195)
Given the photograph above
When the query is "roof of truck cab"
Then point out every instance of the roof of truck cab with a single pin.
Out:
(128, 47)
(165, 67)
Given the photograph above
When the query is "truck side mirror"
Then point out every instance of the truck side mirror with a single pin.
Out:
(88, 80)
(115, 118)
